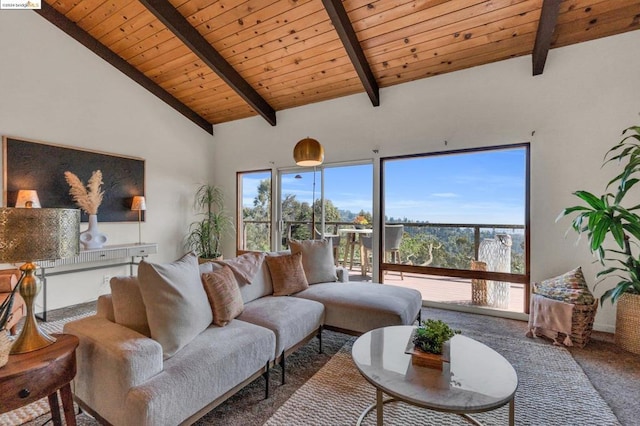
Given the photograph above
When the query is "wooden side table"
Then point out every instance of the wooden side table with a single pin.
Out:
(33, 375)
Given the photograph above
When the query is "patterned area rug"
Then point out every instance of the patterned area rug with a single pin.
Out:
(40, 407)
(552, 390)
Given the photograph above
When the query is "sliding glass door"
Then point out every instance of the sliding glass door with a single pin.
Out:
(340, 193)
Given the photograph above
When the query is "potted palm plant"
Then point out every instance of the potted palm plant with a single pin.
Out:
(613, 232)
(205, 235)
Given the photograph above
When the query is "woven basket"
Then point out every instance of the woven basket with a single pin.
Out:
(628, 323)
(478, 287)
(5, 347)
(581, 324)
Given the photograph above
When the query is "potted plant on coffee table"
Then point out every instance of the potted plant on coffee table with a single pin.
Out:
(205, 235)
(429, 340)
(608, 222)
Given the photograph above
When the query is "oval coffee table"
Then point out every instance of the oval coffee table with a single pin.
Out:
(476, 379)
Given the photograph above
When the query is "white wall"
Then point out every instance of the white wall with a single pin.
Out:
(587, 95)
(55, 90)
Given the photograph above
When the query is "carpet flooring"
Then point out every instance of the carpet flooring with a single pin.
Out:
(338, 394)
(613, 372)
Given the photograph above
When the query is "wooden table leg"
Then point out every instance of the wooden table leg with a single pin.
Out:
(55, 409)
(379, 408)
(67, 405)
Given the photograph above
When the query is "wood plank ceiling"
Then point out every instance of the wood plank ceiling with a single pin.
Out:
(249, 57)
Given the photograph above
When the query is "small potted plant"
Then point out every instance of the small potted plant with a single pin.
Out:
(428, 340)
(360, 222)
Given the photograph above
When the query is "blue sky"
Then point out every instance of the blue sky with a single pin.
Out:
(479, 187)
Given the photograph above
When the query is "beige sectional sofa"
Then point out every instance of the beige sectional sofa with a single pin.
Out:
(125, 376)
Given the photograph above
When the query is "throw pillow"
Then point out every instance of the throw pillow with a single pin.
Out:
(317, 260)
(128, 307)
(224, 295)
(175, 302)
(245, 267)
(569, 287)
(287, 274)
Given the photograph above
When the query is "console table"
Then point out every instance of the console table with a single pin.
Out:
(102, 255)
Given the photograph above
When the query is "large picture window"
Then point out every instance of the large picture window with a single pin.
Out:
(464, 220)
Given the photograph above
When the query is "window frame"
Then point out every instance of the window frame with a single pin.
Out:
(239, 209)
(461, 273)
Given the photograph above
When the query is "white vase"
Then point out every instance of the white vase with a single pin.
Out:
(92, 238)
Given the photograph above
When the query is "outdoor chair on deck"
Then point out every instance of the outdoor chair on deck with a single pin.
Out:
(335, 243)
(392, 239)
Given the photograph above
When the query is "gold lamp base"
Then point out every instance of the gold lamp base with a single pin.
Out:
(31, 338)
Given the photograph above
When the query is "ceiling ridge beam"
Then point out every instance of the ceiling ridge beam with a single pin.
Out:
(74, 31)
(546, 27)
(344, 28)
(181, 28)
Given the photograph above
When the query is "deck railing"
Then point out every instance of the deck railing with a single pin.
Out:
(302, 230)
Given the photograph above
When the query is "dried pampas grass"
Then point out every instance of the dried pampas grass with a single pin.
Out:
(89, 198)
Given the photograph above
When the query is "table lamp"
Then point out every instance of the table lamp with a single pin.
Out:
(27, 235)
(139, 204)
(28, 198)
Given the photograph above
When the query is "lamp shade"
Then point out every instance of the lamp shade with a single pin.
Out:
(28, 198)
(38, 234)
(308, 152)
(138, 203)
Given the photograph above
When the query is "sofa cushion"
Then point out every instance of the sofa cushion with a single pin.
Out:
(175, 301)
(224, 295)
(287, 274)
(361, 307)
(290, 318)
(128, 307)
(213, 364)
(317, 260)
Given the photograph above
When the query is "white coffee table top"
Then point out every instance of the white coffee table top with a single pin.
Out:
(477, 378)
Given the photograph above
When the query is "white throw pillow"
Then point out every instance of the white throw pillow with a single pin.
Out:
(317, 260)
(176, 303)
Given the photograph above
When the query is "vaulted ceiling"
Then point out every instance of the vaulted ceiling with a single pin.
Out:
(222, 60)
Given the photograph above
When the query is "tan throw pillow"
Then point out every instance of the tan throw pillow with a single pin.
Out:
(224, 295)
(287, 274)
(128, 307)
(175, 301)
(317, 260)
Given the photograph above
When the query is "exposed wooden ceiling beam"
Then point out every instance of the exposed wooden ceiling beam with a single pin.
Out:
(74, 31)
(546, 26)
(343, 26)
(178, 25)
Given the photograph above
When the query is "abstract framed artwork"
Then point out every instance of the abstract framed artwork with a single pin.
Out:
(40, 166)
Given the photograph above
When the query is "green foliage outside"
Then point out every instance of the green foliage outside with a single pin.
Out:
(421, 245)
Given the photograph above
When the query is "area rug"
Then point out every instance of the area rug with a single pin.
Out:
(40, 407)
(552, 390)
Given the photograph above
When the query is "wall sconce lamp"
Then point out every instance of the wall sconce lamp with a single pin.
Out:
(139, 204)
(28, 198)
(27, 235)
